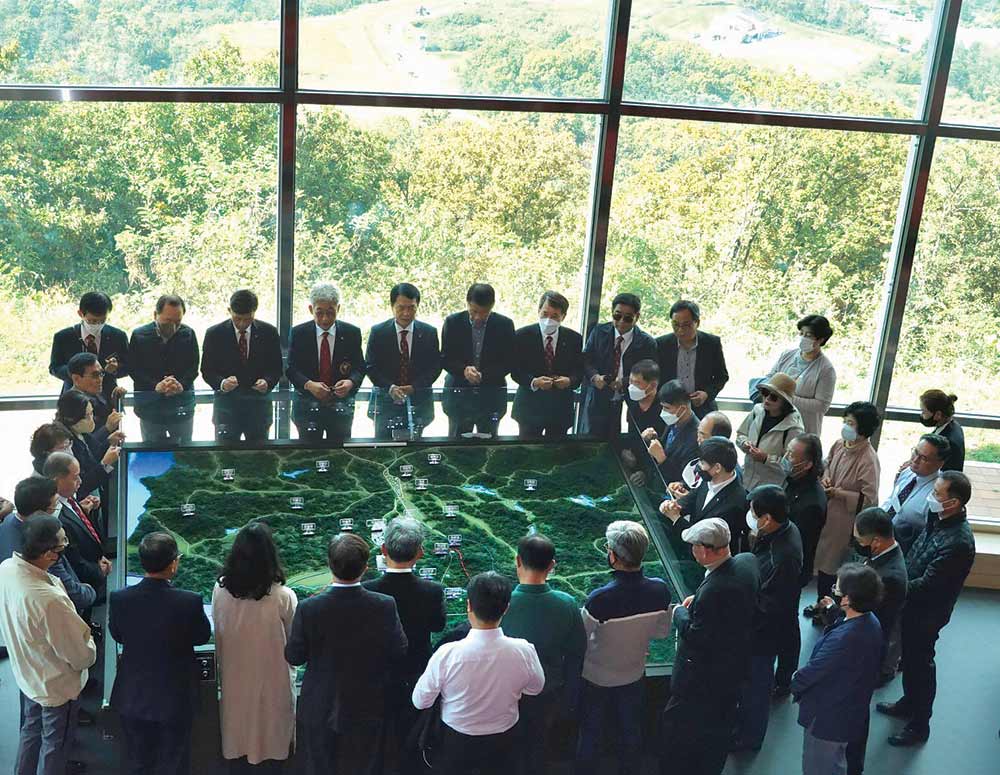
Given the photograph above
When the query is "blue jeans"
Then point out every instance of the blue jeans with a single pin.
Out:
(46, 737)
(618, 710)
(822, 757)
(755, 701)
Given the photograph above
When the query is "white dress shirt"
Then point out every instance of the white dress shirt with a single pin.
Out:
(249, 333)
(409, 337)
(715, 489)
(480, 680)
(626, 341)
(50, 645)
(319, 341)
(97, 340)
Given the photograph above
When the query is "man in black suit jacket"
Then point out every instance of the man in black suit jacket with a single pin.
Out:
(163, 357)
(92, 334)
(420, 604)
(241, 362)
(156, 686)
(477, 348)
(728, 502)
(677, 444)
(611, 351)
(87, 375)
(402, 359)
(714, 628)
(693, 357)
(326, 376)
(548, 368)
(85, 553)
(349, 639)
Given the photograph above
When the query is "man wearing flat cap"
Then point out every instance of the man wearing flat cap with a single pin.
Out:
(714, 627)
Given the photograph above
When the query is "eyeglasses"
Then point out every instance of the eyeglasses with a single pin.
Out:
(618, 317)
(97, 374)
(60, 547)
(915, 455)
(683, 326)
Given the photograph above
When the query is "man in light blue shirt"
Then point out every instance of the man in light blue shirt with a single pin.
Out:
(907, 505)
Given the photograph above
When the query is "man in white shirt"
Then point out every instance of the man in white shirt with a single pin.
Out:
(50, 647)
(480, 680)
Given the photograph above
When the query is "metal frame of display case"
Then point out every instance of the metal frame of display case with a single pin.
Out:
(610, 107)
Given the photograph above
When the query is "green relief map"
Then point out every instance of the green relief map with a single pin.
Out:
(475, 504)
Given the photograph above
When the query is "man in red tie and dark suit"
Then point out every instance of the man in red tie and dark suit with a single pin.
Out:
(92, 334)
(85, 552)
(326, 367)
(548, 368)
(241, 361)
(403, 358)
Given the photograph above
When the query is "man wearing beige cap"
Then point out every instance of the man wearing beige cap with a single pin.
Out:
(714, 627)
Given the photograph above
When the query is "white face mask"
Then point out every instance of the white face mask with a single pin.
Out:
(751, 521)
(806, 344)
(636, 393)
(668, 418)
(548, 326)
(93, 329)
(933, 504)
(847, 433)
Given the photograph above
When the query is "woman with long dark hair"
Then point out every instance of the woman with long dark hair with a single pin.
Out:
(253, 611)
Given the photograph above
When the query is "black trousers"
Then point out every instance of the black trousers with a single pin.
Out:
(526, 431)
(824, 585)
(487, 754)
(326, 752)
(456, 427)
(696, 733)
(536, 717)
(920, 632)
(856, 752)
(157, 747)
(810, 532)
(267, 767)
(789, 647)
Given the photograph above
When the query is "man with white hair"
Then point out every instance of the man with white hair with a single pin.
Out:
(714, 628)
(620, 618)
(326, 366)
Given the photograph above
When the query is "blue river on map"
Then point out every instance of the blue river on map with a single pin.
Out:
(480, 489)
(295, 474)
(141, 465)
(586, 500)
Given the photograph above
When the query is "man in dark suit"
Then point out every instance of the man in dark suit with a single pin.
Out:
(720, 493)
(88, 377)
(677, 443)
(477, 348)
(163, 357)
(350, 640)
(693, 357)
(85, 552)
(548, 368)
(241, 362)
(714, 628)
(420, 604)
(326, 367)
(92, 334)
(402, 360)
(611, 351)
(156, 686)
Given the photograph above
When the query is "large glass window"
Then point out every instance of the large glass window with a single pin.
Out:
(135, 200)
(551, 48)
(442, 199)
(974, 81)
(138, 42)
(760, 226)
(818, 56)
(949, 338)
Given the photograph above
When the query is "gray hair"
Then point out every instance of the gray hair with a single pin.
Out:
(628, 540)
(57, 465)
(324, 292)
(404, 536)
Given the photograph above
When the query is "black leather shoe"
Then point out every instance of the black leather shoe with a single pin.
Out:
(75, 767)
(780, 692)
(811, 610)
(3, 652)
(896, 709)
(908, 736)
(85, 719)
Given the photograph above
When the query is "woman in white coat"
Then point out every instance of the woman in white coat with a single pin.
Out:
(253, 611)
(765, 432)
(814, 375)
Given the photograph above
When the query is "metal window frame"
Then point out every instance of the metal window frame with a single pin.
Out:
(610, 107)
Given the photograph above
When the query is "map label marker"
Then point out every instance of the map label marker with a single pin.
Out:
(380, 562)
(323, 466)
(308, 528)
(188, 509)
(450, 510)
(347, 524)
(428, 573)
(440, 547)
(454, 540)
(406, 471)
(434, 458)
(530, 485)
(453, 593)
(228, 474)
(296, 502)
(375, 525)
(420, 484)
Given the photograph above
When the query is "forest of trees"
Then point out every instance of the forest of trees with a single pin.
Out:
(759, 224)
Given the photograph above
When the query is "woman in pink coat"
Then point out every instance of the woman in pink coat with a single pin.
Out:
(253, 610)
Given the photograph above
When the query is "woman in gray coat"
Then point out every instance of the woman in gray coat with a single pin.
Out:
(814, 375)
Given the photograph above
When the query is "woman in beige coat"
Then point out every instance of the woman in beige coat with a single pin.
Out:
(851, 484)
(814, 375)
(766, 430)
(253, 613)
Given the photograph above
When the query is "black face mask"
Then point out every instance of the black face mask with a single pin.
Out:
(864, 551)
(929, 422)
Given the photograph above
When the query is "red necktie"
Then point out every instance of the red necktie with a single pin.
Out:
(404, 358)
(618, 358)
(550, 355)
(84, 519)
(325, 361)
(91, 344)
(244, 350)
